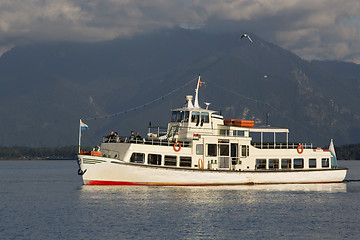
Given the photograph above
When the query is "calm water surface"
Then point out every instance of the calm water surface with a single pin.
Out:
(46, 200)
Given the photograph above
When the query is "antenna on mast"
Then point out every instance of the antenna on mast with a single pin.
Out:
(267, 116)
(207, 105)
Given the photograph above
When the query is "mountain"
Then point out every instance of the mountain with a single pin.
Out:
(47, 88)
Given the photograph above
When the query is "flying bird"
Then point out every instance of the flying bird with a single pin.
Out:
(245, 35)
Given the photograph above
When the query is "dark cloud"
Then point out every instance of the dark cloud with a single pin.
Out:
(313, 29)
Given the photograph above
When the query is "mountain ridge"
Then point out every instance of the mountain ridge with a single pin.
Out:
(48, 87)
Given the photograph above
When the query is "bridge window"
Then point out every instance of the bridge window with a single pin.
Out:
(180, 116)
(186, 119)
(195, 117)
(205, 117)
(154, 159)
(174, 116)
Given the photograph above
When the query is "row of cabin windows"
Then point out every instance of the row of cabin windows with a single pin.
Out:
(155, 159)
(286, 163)
(212, 150)
(196, 117)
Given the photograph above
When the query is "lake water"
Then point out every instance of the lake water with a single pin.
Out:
(46, 200)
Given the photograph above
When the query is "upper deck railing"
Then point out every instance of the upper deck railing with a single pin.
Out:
(271, 145)
(148, 141)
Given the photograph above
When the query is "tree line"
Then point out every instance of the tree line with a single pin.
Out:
(343, 152)
(9, 153)
(348, 152)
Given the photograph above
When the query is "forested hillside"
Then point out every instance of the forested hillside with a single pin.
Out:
(47, 88)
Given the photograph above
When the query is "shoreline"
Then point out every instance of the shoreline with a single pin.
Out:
(37, 159)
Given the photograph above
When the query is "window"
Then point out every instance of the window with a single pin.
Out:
(199, 149)
(224, 132)
(174, 116)
(195, 117)
(298, 163)
(205, 117)
(137, 157)
(312, 163)
(224, 149)
(170, 160)
(212, 150)
(239, 133)
(325, 162)
(244, 151)
(154, 159)
(180, 116)
(274, 163)
(185, 161)
(285, 163)
(186, 119)
(260, 164)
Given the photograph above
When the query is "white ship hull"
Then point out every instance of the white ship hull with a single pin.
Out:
(107, 171)
(201, 148)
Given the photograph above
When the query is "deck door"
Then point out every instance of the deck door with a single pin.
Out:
(234, 152)
(224, 155)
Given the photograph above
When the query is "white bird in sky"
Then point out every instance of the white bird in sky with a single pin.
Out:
(245, 35)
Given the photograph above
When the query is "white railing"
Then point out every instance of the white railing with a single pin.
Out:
(268, 145)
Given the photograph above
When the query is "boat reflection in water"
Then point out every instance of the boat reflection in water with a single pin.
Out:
(326, 188)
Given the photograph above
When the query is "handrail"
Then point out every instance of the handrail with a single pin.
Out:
(148, 141)
(271, 145)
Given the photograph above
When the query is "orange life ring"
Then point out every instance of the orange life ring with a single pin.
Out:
(200, 163)
(300, 149)
(177, 147)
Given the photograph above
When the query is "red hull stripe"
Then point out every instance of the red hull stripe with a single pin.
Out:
(100, 182)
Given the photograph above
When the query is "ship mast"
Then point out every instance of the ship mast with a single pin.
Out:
(196, 103)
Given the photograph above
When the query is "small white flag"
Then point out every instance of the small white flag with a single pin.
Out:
(83, 126)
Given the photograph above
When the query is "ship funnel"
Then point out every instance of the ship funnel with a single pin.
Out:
(189, 101)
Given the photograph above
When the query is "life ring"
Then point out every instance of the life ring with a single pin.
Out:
(200, 163)
(300, 149)
(177, 146)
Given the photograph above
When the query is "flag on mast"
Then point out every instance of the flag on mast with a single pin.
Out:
(333, 154)
(83, 126)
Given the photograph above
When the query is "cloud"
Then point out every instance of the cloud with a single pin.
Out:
(313, 29)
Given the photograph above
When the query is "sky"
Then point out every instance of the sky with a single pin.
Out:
(312, 29)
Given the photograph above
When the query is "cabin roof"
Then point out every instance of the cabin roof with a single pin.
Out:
(194, 109)
(270, 129)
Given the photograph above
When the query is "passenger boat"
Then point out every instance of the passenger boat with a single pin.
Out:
(201, 148)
